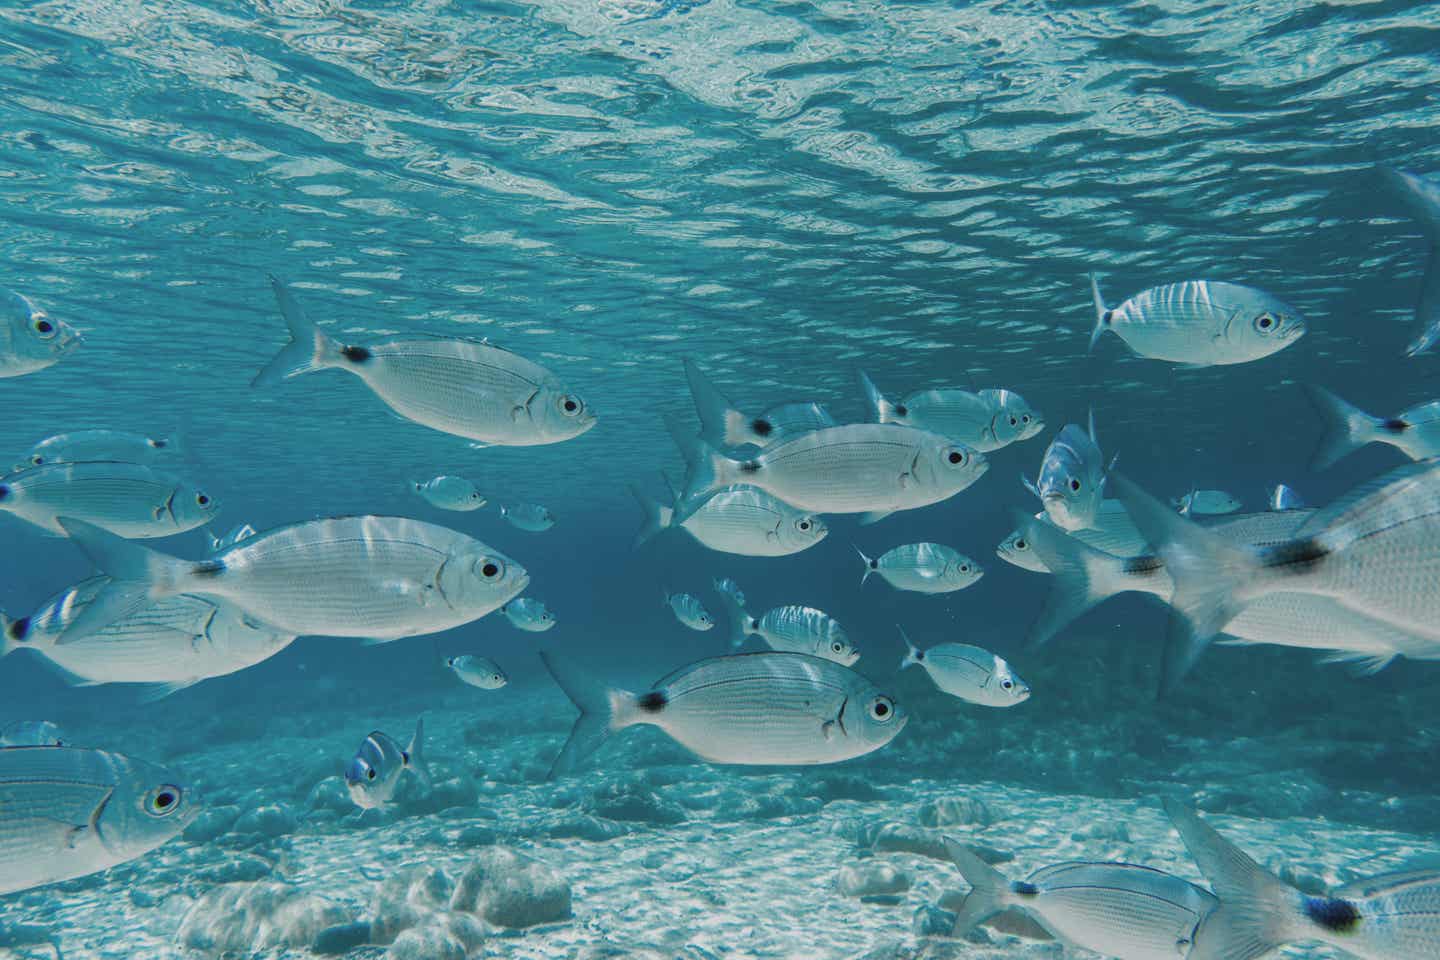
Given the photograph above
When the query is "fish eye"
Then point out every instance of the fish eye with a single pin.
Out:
(1075, 485)
(964, 568)
(37, 460)
(1024, 418)
(804, 524)
(836, 647)
(163, 800)
(1266, 322)
(1007, 684)
(571, 405)
(882, 709)
(955, 456)
(1020, 544)
(201, 499)
(369, 773)
(44, 327)
(490, 569)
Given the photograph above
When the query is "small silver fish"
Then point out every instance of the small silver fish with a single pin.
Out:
(477, 672)
(1206, 503)
(449, 493)
(1414, 432)
(31, 733)
(754, 708)
(737, 519)
(530, 517)
(1200, 323)
(1119, 910)
(529, 615)
(723, 426)
(792, 629)
(71, 812)
(81, 445)
(1071, 484)
(968, 672)
(1422, 199)
(230, 538)
(128, 499)
(688, 610)
(373, 774)
(922, 568)
(31, 339)
(460, 387)
(984, 421)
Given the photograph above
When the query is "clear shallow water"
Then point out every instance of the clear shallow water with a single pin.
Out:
(783, 191)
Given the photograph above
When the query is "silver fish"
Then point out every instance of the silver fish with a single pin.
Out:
(1071, 484)
(176, 642)
(737, 519)
(1199, 323)
(1284, 498)
(81, 445)
(1414, 432)
(1386, 917)
(230, 538)
(128, 499)
(530, 517)
(529, 615)
(460, 387)
(1422, 198)
(1206, 503)
(71, 812)
(373, 774)
(754, 708)
(31, 339)
(449, 493)
(31, 733)
(792, 629)
(723, 426)
(984, 421)
(1119, 910)
(477, 672)
(688, 610)
(1114, 532)
(380, 578)
(968, 672)
(922, 568)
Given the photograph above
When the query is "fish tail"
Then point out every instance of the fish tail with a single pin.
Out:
(739, 619)
(655, 517)
(1102, 312)
(1083, 577)
(138, 576)
(865, 560)
(1347, 427)
(8, 643)
(707, 469)
(1029, 484)
(1258, 912)
(1422, 201)
(912, 653)
(603, 710)
(881, 410)
(309, 348)
(989, 889)
(720, 422)
(674, 490)
(1213, 579)
(415, 754)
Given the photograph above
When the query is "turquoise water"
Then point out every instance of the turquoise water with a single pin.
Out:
(784, 192)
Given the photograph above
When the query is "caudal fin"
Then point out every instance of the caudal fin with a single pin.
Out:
(1347, 427)
(869, 565)
(415, 754)
(654, 516)
(138, 576)
(739, 619)
(309, 348)
(881, 410)
(1422, 199)
(1083, 576)
(720, 423)
(989, 890)
(912, 652)
(603, 710)
(706, 469)
(1257, 911)
(1102, 313)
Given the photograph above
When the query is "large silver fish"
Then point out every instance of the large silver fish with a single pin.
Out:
(1119, 910)
(1422, 198)
(968, 672)
(128, 499)
(81, 445)
(738, 519)
(1114, 532)
(31, 339)
(753, 708)
(373, 774)
(67, 812)
(1415, 432)
(1199, 323)
(723, 426)
(922, 568)
(984, 421)
(1071, 484)
(1389, 917)
(174, 643)
(792, 629)
(380, 578)
(459, 387)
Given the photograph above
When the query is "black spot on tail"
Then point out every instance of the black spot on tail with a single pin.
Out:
(1395, 426)
(1300, 554)
(1022, 889)
(209, 568)
(901, 410)
(874, 564)
(1143, 566)
(355, 354)
(750, 466)
(4, 491)
(654, 701)
(1108, 318)
(762, 427)
(1337, 916)
(159, 444)
(20, 629)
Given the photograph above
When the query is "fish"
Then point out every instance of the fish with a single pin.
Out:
(1206, 503)
(128, 499)
(1114, 532)
(80, 445)
(870, 468)
(1422, 200)
(32, 733)
(723, 426)
(477, 672)
(726, 586)
(1199, 323)
(768, 708)
(449, 493)
(461, 387)
(31, 339)
(373, 774)
(1283, 498)
(1120, 910)
(922, 568)
(984, 421)
(1071, 484)
(738, 519)
(1386, 917)
(530, 517)
(792, 629)
(968, 672)
(230, 538)
(688, 610)
(173, 644)
(529, 615)
(376, 578)
(1415, 431)
(71, 812)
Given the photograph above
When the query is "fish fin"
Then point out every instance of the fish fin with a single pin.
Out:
(1083, 577)
(1102, 313)
(1360, 664)
(739, 619)
(1210, 578)
(655, 517)
(1258, 912)
(874, 516)
(1284, 497)
(1347, 427)
(865, 560)
(706, 469)
(138, 577)
(881, 410)
(415, 755)
(912, 653)
(1029, 484)
(671, 486)
(309, 348)
(720, 423)
(1187, 502)
(151, 692)
(989, 889)
(603, 710)
(1422, 200)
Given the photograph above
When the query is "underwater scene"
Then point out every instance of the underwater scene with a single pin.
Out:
(698, 479)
